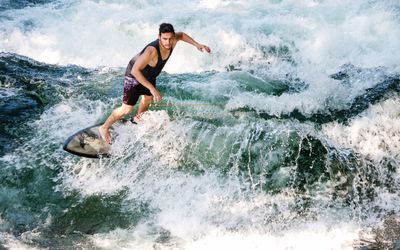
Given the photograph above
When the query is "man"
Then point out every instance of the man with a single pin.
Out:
(141, 74)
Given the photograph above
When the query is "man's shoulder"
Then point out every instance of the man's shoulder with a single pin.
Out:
(178, 35)
(150, 50)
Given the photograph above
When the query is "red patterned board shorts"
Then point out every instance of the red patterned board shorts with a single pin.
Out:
(133, 90)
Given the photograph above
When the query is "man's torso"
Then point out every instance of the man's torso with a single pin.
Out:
(157, 62)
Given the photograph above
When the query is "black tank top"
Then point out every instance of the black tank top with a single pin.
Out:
(150, 73)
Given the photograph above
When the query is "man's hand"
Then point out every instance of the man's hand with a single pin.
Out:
(203, 48)
(182, 36)
(156, 95)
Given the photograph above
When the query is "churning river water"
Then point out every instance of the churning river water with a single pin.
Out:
(285, 137)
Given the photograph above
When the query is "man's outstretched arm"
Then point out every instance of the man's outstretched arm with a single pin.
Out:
(181, 36)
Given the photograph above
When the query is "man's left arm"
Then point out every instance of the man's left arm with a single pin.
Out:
(181, 36)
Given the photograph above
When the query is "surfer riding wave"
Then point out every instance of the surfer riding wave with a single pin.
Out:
(142, 72)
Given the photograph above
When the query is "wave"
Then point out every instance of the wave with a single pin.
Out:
(287, 133)
(272, 38)
(380, 92)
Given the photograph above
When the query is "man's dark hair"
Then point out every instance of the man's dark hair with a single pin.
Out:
(166, 28)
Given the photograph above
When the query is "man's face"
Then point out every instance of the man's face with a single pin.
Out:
(166, 39)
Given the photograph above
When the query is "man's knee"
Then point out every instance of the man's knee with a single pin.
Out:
(147, 99)
(124, 110)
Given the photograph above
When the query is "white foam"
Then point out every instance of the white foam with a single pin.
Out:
(11, 242)
(313, 236)
(317, 43)
(153, 142)
(73, 114)
(320, 36)
(375, 133)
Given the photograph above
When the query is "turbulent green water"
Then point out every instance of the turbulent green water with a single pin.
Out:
(258, 145)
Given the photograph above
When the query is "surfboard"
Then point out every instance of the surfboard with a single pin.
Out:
(87, 143)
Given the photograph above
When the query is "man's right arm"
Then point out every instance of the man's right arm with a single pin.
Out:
(142, 61)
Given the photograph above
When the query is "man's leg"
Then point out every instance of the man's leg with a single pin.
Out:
(143, 106)
(115, 116)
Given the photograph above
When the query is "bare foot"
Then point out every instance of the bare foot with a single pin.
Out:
(105, 134)
(136, 119)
